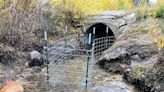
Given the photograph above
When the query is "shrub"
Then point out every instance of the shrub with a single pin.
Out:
(159, 9)
(157, 32)
(142, 12)
(139, 70)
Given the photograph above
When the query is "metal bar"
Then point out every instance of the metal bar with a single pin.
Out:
(70, 57)
(90, 36)
(65, 66)
(107, 30)
(46, 54)
(65, 32)
(45, 35)
(91, 62)
(86, 83)
(61, 48)
(94, 30)
(61, 72)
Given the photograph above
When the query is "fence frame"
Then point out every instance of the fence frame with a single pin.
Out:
(91, 54)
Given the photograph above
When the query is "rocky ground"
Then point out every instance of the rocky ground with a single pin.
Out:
(14, 66)
(137, 57)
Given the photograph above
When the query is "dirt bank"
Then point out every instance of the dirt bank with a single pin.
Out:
(137, 57)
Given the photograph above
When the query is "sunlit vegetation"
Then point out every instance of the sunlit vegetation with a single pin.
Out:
(159, 41)
(90, 7)
(157, 31)
(159, 37)
(139, 70)
(159, 9)
(1, 3)
(143, 9)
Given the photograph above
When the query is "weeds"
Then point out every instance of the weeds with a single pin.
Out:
(159, 9)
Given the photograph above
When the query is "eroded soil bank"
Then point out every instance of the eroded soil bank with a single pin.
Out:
(136, 56)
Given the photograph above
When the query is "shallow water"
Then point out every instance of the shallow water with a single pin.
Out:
(70, 76)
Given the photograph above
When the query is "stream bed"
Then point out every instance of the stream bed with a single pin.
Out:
(107, 82)
(71, 76)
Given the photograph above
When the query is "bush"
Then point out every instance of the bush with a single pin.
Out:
(159, 12)
(142, 12)
(23, 25)
(159, 9)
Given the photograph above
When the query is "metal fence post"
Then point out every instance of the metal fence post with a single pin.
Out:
(91, 64)
(106, 39)
(94, 32)
(65, 32)
(45, 53)
(92, 61)
(88, 62)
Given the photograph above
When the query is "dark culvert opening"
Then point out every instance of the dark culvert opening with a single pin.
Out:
(96, 31)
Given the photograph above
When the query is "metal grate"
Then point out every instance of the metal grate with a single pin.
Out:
(102, 44)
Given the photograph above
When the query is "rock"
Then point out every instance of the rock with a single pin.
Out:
(134, 51)
(114, 67)
(35, 55)
(35, 62)
(36, 59)
(11, 86)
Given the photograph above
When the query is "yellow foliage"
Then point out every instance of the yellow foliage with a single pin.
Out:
(115, 4)
(90, 7)
(80, 7)
(1, 3)
(158, 36)
(159, 40)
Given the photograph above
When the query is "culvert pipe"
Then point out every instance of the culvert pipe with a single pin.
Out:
(98, 30)
(115, 21)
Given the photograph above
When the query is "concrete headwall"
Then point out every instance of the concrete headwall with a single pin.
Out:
(115, 20)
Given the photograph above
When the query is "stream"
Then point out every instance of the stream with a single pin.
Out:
(70, 77)
(107, 82)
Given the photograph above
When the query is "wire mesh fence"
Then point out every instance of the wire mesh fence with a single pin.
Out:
(70, 65)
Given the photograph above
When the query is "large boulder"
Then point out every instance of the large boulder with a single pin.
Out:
(129, 52)
(36, 58)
